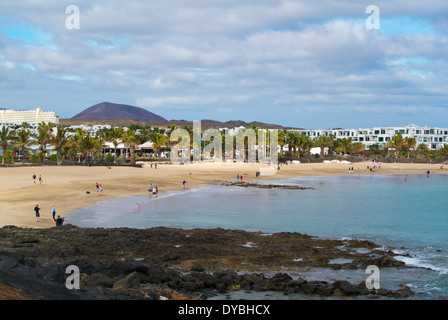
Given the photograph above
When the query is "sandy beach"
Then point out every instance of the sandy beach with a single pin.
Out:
(66, 187)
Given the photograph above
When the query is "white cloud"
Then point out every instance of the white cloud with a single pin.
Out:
(230, 58)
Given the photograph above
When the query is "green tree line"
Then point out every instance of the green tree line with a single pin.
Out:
(78, 144)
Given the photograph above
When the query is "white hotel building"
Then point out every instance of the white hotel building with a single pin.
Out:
(434, 138)
(12, 118)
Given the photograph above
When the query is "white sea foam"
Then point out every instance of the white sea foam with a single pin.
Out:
(362, 250)
(340, 261)
(249, 245)
(421, 263)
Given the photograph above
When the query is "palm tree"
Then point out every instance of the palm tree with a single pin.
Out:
(59, 140)
(76, 142)
(43, 137)
(443, 151)
(23, 140)
(255, 128)
(84, 144)
(189, 129)
(130, 139)
(282, 134)
(88, 145)
(114, 135)
(6, 137)
(291, 139)
(344, 145)
(323, 142)
(396, 142)
(169, 142)
(408, 144)
(357, 148)
(305, 143)
(145, 132)
(159, 140)
(70, 150)
(422, 150)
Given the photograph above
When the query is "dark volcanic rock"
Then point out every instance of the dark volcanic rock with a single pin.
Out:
(130, 281)
(265, 186)
(123, 263)
(99, 280)
(127, 267)
(346, 287)
(13, 287)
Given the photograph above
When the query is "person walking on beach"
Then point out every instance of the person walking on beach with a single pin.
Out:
(101, 190)
(97, 188)
(53, 212)
(36, 210)
(40, 179)
(184, 183)
(238, 177)
(34, 178)
(150, 188)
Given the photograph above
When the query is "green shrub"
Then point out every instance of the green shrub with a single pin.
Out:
(7, 159)
(110, 157)
(35, 158)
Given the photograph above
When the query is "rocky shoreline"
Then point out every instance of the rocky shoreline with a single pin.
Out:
(165, 263)
(264, 186)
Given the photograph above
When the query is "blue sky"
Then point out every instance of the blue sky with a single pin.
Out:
(294, 63)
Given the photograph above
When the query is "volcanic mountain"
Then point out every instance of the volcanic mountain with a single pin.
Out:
(107, 110)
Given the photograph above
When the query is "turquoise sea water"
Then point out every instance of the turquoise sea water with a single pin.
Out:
(409, 215)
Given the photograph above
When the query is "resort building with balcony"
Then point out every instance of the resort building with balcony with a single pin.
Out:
(433, 137)
(13, 118)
